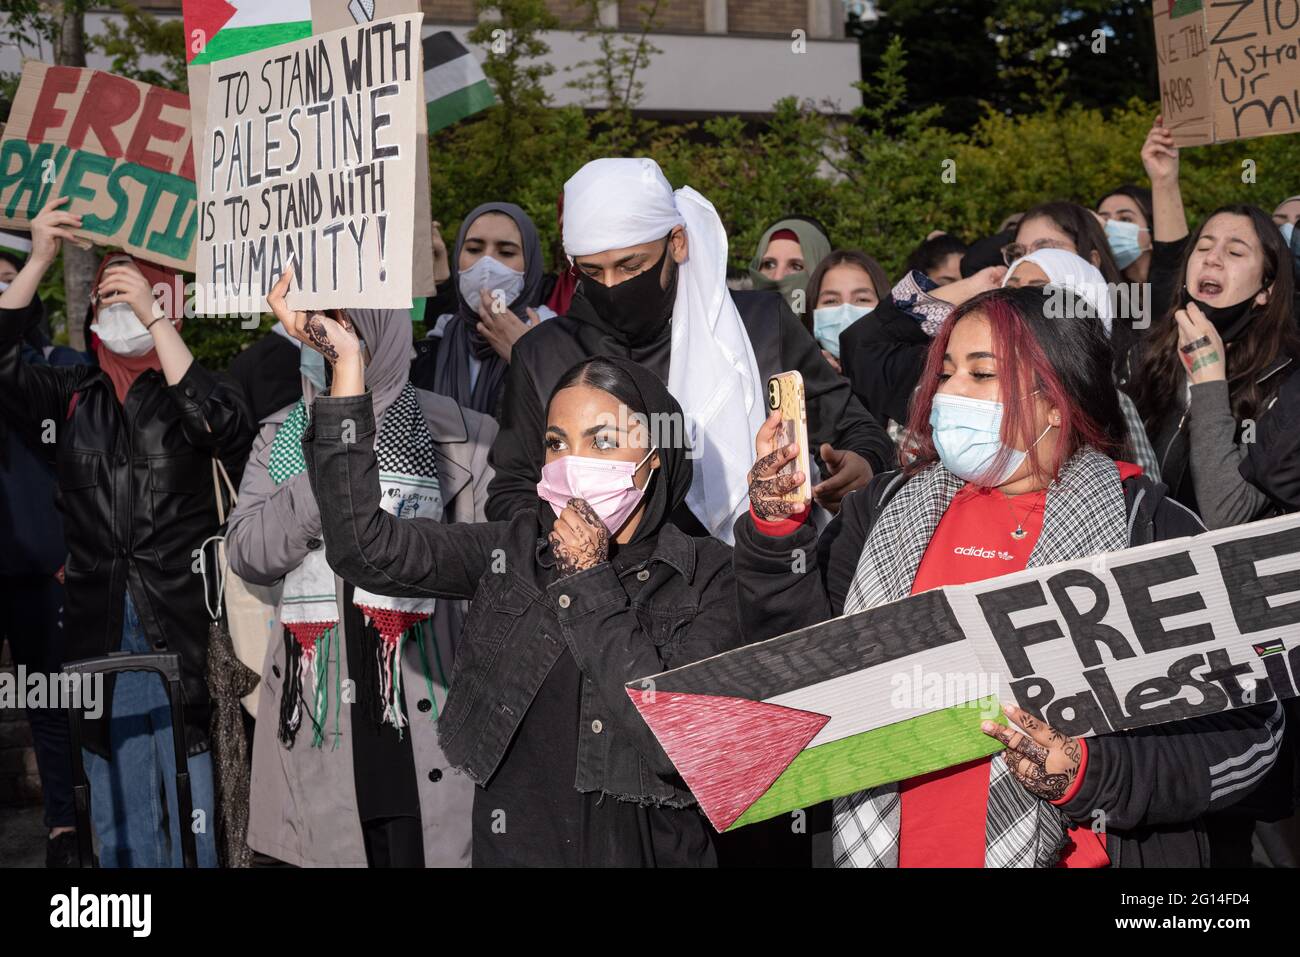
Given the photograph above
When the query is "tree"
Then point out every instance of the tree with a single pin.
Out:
(965, 56)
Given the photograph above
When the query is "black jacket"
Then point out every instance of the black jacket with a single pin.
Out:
(619, 623)
(883, 354)
(780, 341)
(267, 372)
(136, 493)
(1272, 461)
(1154, 784)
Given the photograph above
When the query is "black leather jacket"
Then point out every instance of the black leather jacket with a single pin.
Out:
(620, 621)
(136, 492)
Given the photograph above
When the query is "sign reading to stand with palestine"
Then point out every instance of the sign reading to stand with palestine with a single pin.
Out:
(310, 158)
(1119, 641)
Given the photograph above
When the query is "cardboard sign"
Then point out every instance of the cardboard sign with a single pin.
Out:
(309, 156)
(118, 148)
(1119, 641)
(1229, 69)
(217, 31)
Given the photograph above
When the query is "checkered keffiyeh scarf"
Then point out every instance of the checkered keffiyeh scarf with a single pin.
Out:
(408, 480)
(1084, 515)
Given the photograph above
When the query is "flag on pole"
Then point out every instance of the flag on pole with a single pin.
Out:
(455, 85)
(219, 29)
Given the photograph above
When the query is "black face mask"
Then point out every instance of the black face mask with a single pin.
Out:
(639, 308)
(1230, 322)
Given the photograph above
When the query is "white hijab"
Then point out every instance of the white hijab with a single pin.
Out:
(616, 203)
(1072, 272)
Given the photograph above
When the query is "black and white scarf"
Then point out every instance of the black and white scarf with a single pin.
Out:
(1084, 515)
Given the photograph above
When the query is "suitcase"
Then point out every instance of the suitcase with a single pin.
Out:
(168, 666)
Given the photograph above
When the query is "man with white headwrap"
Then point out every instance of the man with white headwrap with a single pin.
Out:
(653, 289)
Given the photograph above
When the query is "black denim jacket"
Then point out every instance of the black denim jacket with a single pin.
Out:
(620, 620)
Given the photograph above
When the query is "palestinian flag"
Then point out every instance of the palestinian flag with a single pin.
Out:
(454, 83)
(219, 29)
(16, 241)
(819, 713)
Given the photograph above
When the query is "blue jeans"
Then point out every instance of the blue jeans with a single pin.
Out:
(127, 793)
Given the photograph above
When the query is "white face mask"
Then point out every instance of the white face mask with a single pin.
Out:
(495, 276)
(3, 285)
(121, 332)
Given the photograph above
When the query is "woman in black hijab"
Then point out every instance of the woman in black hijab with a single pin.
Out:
(497, 249)
(571, 601)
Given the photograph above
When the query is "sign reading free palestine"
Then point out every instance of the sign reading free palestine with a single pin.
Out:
(1123, 640)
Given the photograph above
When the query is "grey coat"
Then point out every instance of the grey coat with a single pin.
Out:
(304, 802)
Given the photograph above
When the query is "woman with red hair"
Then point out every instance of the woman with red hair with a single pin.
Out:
(1014, 431)
(134, 440)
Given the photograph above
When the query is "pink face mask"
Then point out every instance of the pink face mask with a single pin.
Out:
(608, 487)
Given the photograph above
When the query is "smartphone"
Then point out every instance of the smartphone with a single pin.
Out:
(785, 392)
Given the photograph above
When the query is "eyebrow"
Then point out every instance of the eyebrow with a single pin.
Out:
(1230, 239)
(947, 357)
(601, 428)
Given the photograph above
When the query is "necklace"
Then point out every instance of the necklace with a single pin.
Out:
(1019, 532)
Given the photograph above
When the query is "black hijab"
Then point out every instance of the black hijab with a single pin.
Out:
(642, 391)
(461, 337)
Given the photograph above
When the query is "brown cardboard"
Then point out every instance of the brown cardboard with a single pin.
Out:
(1182, 58)
(1229, 69)
(119, 148)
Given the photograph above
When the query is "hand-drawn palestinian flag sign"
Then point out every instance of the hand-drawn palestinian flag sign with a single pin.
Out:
(219, 29)
(1164, 632)
(454, 83)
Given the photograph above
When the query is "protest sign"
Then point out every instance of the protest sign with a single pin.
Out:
(216, 30)
(1119, 641)
(309, 156)
(1229, 69)
(327, 15)
(118, 148)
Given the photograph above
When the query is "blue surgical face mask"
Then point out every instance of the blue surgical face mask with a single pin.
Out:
(1288, 230)
(1124, 241)
(830, 321)
(967, 435)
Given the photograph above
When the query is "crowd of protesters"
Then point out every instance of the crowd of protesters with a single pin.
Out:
(470, 542)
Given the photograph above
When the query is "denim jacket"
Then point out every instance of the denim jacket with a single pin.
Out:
(620, 620)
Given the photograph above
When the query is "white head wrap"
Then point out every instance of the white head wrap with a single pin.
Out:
(712, 372)
(1072, 272)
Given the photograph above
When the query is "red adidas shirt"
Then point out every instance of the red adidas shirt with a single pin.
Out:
(942, 815)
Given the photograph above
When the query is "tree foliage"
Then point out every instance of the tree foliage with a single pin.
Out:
(880, 178)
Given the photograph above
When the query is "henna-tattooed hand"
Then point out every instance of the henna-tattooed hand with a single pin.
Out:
(766, 487)
(579, 539)
(332, 337)
(1043, 760)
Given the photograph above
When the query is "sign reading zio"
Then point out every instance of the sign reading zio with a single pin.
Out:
(1229, 69)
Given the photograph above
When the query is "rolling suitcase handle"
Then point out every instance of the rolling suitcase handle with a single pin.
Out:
(168, 666)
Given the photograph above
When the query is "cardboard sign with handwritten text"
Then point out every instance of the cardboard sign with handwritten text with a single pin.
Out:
(118, 148)
(1229, 69)
(309, 156)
